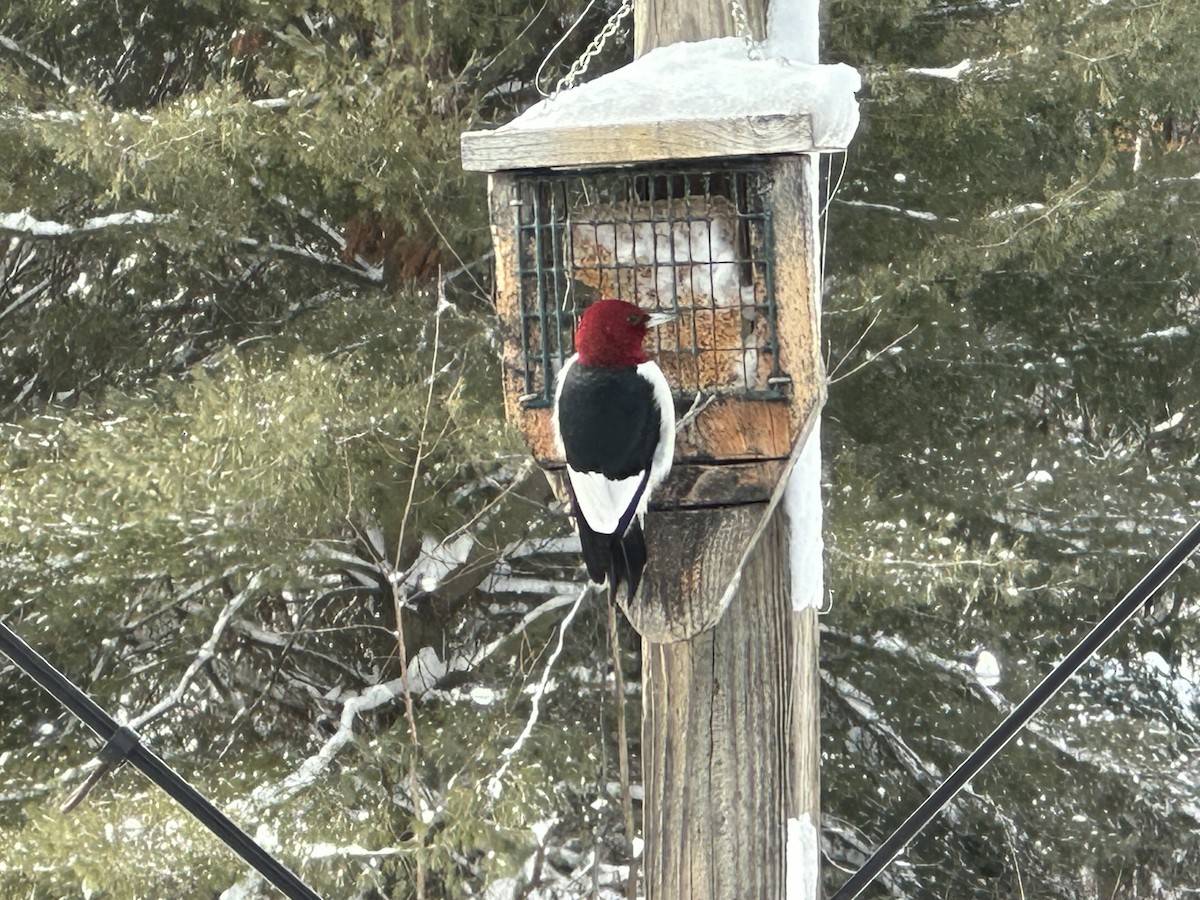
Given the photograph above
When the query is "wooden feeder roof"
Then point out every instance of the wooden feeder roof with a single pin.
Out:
(697, 100)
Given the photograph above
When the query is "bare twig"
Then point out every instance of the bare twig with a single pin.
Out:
(870, 359)
(495, 783)
(614, 638)
(699, 405)
(398, 594)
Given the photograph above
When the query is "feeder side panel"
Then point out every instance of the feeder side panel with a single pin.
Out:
(504, 217)
(794, 202)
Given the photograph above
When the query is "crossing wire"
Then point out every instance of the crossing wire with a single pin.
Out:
(122, 743)
(1137, 596)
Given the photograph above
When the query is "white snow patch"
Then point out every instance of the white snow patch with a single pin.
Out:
(802, 503)
(951, 73)
(482, 696)
(436, 560)
(26, 224)
(1020, 209)
(803, 864)
(1156, 662)
(710, 79)
(425, 670)
(987, 668)
(325, 850)
(1173, 422)
(541, 830)
(1175, 331)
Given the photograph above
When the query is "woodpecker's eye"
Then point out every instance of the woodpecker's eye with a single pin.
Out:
(637, 319)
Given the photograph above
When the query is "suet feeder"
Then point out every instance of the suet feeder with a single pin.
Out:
(683, 182)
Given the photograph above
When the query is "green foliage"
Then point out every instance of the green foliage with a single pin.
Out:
(1011, 247)
(248, 376)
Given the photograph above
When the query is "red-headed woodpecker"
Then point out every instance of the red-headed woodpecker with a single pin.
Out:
(614, 423)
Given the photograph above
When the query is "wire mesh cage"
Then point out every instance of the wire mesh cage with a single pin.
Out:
(695, 242)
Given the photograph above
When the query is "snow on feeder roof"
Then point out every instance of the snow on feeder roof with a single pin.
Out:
(684, 101)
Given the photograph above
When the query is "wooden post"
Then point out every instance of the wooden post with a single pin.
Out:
(728, 606)
(657, 23)
(730, 739)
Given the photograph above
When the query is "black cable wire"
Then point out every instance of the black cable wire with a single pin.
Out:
(1149, 585)
(123, 743)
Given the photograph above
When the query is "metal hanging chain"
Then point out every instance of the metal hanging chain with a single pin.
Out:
(737, 10)
(580, 66)
(742, 23)
(122, 743)
(1151, 583)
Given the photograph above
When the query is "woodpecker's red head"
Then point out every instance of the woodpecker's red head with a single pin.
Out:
(613, 333)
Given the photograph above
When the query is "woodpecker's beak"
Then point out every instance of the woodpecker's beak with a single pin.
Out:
(659, 318)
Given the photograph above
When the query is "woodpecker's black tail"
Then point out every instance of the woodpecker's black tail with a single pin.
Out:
(628, 559)
(620, 560)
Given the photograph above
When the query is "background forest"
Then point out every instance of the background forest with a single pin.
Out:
(249, 405)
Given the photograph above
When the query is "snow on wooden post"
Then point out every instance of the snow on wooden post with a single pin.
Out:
(686, 181)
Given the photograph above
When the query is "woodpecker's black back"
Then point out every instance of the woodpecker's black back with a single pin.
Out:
(613, 426)
(610, 424)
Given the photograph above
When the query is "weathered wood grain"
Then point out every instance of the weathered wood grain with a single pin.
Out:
(717, 765)
(657, 23)
(693, 555)
(621, 143)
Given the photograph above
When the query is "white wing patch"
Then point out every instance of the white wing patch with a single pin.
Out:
(604, 501)
(664, 453)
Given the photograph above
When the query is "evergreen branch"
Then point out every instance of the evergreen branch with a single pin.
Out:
(1104, 760)
(24, 225)
(921, 771)
(335, 236)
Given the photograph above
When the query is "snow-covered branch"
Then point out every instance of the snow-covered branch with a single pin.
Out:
(22, 224)
(49, 68)
(25, 297)
(425, 671)
(268, 795)
(918, 214)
